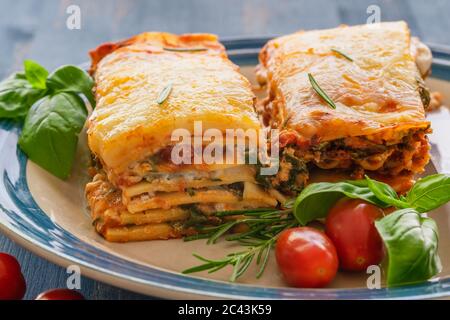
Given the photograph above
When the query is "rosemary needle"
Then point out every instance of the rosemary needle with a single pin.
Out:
(164, 93)
(264, 225)
(342, 54)
(320, 92)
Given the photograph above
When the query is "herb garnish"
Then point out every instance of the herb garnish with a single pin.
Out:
(35, 74)
(196, 49)
(51, 110)
(164, 94)
(17, 95)
(342, 54)
(265, 225)
(410, 237)
(411, 242)
(320, 92)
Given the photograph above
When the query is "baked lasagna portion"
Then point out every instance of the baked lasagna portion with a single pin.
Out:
(374, 75)
(146, 88)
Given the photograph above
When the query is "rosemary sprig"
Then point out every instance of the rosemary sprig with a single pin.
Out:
(196, 49)
(264, 226)
(164, 94)
(320, 92)
(246, 212)
(342, 54)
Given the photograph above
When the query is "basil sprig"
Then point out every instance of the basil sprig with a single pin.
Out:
(51, 110)
(17, 95)
(72, 79)
(50, 132)
(429, 193)
(316, 200)
(385, 193)
(410, 237)
(411, 242)
(35, 74)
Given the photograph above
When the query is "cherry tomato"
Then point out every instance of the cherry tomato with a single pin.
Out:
(306, 257)
(350, 225)
(60, 294)
(12, 282)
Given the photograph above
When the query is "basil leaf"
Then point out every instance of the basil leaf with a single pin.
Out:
(411, 241)
(72, 79)
(35, 74)
(429, 193)
(385, 193)
(17, 96)
(316, 200)
(50, 133)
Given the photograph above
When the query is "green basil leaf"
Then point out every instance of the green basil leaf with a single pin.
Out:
(385, 193)
(17, 96)
(316, 200)
(72, 79)
(429, 193)
(50, 132)
(411, 241)
(35, 74)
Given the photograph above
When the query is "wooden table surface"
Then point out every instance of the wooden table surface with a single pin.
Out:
(37, 30)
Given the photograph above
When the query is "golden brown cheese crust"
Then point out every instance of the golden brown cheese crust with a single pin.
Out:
(376, 94)
(128, 124)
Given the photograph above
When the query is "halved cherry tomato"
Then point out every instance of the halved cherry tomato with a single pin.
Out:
(12, 282)
(60, 294)
(306, 257)
(350, 225)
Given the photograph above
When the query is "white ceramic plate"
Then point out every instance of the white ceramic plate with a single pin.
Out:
(49, 217)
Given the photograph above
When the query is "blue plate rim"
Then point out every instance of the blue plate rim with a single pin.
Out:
(23, 220)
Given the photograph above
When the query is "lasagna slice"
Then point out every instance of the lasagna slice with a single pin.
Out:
(146, 88)
(371, 73)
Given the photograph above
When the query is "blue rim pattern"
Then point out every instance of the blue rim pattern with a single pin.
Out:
(20, 215)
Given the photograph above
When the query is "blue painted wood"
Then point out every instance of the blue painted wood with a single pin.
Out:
(42, 275)
(37, 30)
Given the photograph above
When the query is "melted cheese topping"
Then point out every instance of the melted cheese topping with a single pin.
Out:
(128, 124)
(374, 93)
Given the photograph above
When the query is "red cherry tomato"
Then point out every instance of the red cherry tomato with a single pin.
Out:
(12, 282)
(350, 225)
(306, 257)
(60, 294)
